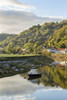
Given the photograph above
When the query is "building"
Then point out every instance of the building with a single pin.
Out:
(62, 50)
(53, 50)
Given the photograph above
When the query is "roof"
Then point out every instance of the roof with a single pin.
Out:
(62, 49)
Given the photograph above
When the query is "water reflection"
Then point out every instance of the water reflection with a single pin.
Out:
(18, 88)
(59, 63)
(50, 76)
(51, 85)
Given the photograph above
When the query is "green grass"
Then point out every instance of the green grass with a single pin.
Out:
(31, 57)
(16, 55)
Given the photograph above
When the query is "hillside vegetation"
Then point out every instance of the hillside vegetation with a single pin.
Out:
(4, 36)
(58, 39)
(49, 35)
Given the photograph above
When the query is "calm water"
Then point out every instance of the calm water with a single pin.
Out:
(52, 85)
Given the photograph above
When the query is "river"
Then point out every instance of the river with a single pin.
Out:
(52, 85)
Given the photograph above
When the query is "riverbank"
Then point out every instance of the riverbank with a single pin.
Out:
(59, 57)
(18, 64)
(15, 56)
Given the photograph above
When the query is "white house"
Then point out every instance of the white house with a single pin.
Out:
(53, 50)
(62, 50)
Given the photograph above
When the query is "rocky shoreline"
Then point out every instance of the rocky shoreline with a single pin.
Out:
(12, 67)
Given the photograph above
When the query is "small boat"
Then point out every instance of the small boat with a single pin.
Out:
(34, 76)
(34, 73)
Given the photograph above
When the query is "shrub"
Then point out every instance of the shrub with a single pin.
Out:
(46, 53)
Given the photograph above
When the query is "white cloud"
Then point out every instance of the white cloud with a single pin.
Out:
(17, 88)
(14, 5)
(16, 98)
(17, 21)
(16, 16)
(57, 17)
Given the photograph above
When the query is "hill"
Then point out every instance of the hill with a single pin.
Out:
(38, 36)
(58, 39)
(4, 36)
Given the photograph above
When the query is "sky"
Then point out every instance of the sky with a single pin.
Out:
(52, 8)
(18, 88)
(18, 15)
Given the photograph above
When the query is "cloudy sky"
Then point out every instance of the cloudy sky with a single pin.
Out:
(18, 88)
(18, 15)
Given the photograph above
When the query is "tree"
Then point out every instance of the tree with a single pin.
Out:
(36, 44)
(10, 49)
(29, 47)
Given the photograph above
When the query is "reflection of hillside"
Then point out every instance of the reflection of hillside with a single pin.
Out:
(50, 76)
(33, 79)
(59, 63)
(53, 76)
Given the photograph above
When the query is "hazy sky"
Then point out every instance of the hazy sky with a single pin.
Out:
(18, 15)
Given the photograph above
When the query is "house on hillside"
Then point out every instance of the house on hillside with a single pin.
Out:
(53, 50)
(62, 50)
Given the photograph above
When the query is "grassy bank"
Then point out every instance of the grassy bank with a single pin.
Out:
(16, 56)
(59, 57)
(30, 58)
(16, 64)
(34, 58)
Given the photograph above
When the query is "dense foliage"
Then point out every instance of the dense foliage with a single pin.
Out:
(49, 34)
(58, 39)
(4, 36)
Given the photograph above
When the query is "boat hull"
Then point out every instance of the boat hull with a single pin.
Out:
(34, 75)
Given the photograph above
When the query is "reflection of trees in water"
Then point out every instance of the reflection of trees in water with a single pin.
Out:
(66, 74)
(53, 76)
(32, 79)
(50, 76)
